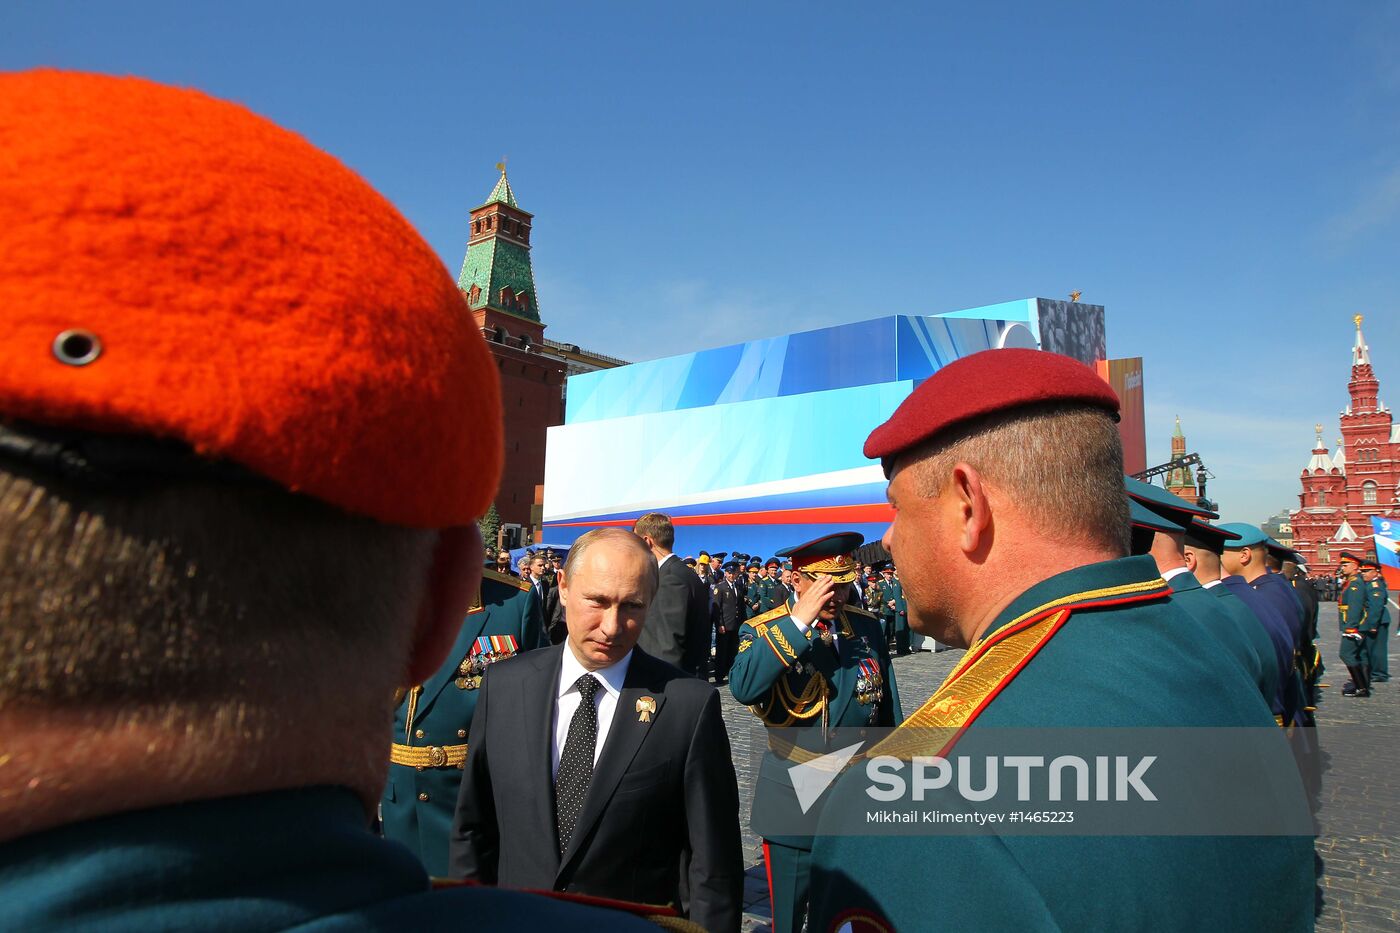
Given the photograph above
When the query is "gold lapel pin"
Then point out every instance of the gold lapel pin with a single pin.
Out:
(645, 707)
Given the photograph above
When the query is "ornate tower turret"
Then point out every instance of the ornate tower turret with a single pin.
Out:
(1179, 480)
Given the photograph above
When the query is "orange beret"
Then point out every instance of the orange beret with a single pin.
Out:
(247, 294)
(986, 383)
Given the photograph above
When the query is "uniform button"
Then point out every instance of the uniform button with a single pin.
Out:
(461, 733)
(423, 797)
(418, 733)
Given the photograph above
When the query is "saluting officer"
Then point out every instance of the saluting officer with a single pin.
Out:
(1353, 603)
(432, 718)
(805, 668)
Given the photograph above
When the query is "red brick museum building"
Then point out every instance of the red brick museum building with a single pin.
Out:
(1342, 490)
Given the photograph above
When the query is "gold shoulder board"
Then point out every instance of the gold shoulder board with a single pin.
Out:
(769, 616)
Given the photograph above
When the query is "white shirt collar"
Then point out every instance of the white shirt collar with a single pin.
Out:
(612, 677)
(1211, 584)
(1174, 572)
(666, 558)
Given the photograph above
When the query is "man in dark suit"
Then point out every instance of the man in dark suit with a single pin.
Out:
(595, 768)
(729, 615)
(678, 623)
(545, 587)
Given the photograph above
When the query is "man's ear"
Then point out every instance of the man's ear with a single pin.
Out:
(973, 511)
(561, 583)
(453, 582)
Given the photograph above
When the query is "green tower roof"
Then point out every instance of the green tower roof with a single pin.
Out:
(501, 193)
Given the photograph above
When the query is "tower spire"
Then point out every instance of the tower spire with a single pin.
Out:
(1360, 353)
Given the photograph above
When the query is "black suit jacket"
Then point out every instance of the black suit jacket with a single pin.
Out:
(729, 603)
(677, 629)
(663, 796)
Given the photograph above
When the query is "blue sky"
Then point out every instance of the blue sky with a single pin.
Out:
(1223, 177)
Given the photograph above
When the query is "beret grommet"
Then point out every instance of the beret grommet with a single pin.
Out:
(76, 347)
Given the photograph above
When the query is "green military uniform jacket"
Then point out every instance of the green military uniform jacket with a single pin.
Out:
(759, 598)
(294, 859)
(1353, 606)
(1098, 646)
(1377, 608)
(875, 598)
(431, 721)
(799, 685)
(1235, 635)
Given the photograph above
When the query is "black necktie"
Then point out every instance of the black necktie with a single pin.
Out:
(576, 761)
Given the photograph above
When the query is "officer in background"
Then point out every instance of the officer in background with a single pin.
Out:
(753, 589)
(1159, 530)
(1353, 618)
(1377, 645)
(806, 668)
(1203, 545)
(246, 433)
(728, 619)
(432, 718)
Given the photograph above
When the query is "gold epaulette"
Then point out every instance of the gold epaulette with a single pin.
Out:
(769, 616)
(489, 574)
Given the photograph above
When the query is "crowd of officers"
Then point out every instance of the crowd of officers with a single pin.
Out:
(740, 588)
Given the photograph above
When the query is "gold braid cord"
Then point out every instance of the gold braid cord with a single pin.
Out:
(794, 707)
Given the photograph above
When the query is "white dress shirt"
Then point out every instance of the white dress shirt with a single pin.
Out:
(567, 699)
(1211, 584)
(1174, 572)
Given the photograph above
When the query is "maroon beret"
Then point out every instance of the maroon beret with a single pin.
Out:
(983, 384)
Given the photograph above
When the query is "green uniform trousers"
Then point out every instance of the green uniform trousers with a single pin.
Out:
(789, 874)
(1353, 651)
(1378, 649)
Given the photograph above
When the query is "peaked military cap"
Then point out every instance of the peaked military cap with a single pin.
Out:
(773, 562)
(1249, 535)
(981, 384)
(1142, 517)
(1348, 555)
(1157, 498)
(1282, 552)
(1208, 537)
(829, 554)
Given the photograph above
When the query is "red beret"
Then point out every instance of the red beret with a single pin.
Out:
(236, 289)
(983, 384)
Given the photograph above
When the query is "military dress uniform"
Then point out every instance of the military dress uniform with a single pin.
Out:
(806, 684)
(1353, 606)
(1378, 646)
(1100, 646)
(432, 719)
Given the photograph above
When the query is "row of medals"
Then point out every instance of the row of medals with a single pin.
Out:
(867, 687)
(474, 668)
